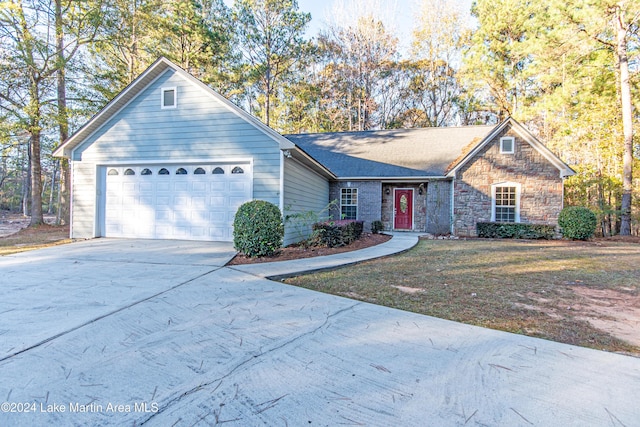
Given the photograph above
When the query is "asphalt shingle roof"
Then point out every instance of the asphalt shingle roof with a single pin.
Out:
(391, 153)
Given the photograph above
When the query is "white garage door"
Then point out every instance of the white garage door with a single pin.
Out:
(190, 202)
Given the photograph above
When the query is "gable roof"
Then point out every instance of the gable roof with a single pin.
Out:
(562, 167)
(436, 152)
(129, 93)
(424, 152)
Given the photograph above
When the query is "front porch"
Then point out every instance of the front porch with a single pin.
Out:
(401, 206)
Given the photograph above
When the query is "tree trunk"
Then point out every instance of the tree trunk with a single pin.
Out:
(627, 122)
(63, 119)
(36, 178)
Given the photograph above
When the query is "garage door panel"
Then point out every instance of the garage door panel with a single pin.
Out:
(238, 187)
(218, 186)
(180, 186)
(235, 202)
(146, 187)
(194, 206)
(199, 186)
(130, 187)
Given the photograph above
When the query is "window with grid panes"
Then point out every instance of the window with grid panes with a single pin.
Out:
(349, 203)
(506, 204)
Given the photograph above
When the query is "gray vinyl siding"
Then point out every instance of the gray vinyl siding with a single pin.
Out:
(84, 200)
(201, 127)
(304, 192)
(438, 207)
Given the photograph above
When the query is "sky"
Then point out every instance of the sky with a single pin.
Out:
(397, 15)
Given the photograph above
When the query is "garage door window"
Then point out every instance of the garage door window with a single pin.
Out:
(181, 171)
(199, 171)
(129, 172)
(163, 171)
(113, 172)
(146, 171)
(237, 169)
(218, 171)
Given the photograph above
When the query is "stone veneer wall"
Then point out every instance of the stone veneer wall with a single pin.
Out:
(541, 186)
(438, 207)
(369, 199)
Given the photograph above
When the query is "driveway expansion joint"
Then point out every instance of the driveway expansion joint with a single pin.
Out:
(111, 313)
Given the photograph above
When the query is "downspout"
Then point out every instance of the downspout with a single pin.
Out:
(452, 210)
(72, 166)
(282, 159)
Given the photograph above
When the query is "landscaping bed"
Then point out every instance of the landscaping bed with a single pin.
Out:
(300, 251)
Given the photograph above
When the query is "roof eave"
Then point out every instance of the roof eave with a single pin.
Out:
(302, 156)
(113, 107)
(66, 148)
(393, 178)
(563, 168)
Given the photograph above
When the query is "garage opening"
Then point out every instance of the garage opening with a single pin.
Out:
(188, 202)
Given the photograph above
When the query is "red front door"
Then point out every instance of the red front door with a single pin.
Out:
(403, 209)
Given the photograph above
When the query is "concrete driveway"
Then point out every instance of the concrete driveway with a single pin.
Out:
(132, 332)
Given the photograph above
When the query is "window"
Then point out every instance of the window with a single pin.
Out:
(199, 171)
(218, 171)
(146, 171)
(507, 145)
(237, 169)
(168, 98)
(112, 172)
(349, 203)
(506, 203)
(129, 172)
(163, 171)
(181, 171)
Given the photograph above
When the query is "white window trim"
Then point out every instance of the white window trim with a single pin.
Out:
(357, 200)
(513, 145)
(175, 98)
(493, 199)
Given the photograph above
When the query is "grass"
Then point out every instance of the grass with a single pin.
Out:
(523, 287)
(37, 237)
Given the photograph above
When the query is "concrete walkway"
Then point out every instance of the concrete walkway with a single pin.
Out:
(400, 242)
(128, 338)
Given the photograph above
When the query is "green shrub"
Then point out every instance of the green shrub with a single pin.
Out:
(577, 222)
(333, 234)
(514, 230)
(377, 226)
(258, 229)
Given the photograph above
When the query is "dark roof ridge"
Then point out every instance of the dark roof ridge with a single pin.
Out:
(386, 130)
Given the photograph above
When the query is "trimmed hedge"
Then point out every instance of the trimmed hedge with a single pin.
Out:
(377, 226)
(514, 230)
(333, 234)
(258, 229)
(577, 223)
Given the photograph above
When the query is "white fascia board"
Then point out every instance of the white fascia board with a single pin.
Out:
(495, 132)
(228, 160)
(564, 169)
(298, 151)
(391, 179)
(106, 113)
(283, 142)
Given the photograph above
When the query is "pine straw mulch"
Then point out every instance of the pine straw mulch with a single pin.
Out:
(300, 251)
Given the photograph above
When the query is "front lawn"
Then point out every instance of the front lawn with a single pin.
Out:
(579, 293)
